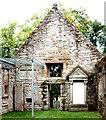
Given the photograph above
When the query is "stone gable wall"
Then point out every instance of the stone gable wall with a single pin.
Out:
(56, 40)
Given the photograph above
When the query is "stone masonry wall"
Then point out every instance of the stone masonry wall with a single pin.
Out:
(92, 93)
(56, 40)
(101, 78)
(65, 96)
(24, 76)
(8, 77)
(11, 83)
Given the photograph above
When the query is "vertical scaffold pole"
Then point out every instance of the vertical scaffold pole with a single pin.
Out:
(32, 88)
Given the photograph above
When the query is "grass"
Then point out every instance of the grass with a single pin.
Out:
(52, 114)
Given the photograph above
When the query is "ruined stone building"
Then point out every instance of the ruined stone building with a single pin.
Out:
(69, 60)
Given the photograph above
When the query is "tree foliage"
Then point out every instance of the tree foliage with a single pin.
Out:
(14, 35)
(97, 33)
(8, 42)
(79, 18)
(27, 28)
(93, 30)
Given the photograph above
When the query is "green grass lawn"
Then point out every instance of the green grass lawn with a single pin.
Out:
(52, 114)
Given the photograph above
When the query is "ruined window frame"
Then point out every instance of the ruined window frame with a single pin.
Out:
(54, 65)
(5, 88)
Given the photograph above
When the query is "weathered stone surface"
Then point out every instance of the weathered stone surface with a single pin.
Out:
(101, 80)
(79, 108)
(7, 75)
(56, 40)
(18, 88)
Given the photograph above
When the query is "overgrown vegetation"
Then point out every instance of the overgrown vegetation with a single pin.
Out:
(14, 35)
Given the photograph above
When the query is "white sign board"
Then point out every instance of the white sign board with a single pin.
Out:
(78, 93)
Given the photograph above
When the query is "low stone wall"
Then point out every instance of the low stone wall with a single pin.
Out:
(79, 107)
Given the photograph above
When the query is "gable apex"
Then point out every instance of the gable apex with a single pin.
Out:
(55, 20)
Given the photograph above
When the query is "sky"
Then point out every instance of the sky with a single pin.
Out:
(21, 10)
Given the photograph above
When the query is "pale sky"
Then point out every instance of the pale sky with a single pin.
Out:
(21, 10)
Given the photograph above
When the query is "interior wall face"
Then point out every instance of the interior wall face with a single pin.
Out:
(8, 77)
(101, 78)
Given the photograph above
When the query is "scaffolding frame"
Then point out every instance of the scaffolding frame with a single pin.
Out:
(26, 61)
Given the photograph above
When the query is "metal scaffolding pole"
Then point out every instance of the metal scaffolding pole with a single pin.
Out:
(32, 88)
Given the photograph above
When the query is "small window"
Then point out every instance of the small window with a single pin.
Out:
(55, 69)
(29, 99)
(6, 89)
(100, 69)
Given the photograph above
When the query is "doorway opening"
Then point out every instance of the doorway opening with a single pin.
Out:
(54, 96)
